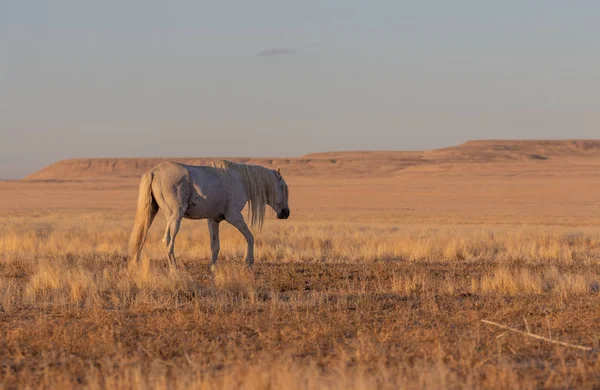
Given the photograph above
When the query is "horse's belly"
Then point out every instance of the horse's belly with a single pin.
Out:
(196, 213)
(199, 208)
(208, 197)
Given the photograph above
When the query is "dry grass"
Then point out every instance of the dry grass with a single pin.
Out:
(371, 284)
(338, 242)
(328, 306)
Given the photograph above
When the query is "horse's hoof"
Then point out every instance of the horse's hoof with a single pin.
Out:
(213, 267)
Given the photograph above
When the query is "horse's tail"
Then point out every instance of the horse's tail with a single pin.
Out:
(146, 211)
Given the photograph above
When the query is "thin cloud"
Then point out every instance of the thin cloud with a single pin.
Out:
(275, 52)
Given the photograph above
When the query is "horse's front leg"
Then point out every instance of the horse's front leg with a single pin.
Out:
(237, 220)
(215, 246)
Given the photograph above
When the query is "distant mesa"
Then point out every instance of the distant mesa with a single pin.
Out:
(343, 163)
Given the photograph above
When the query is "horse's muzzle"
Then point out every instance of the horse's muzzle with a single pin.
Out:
(284, 214)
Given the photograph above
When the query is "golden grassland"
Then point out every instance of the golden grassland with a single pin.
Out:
(378, 283)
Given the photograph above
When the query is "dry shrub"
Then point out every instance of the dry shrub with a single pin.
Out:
(409, 285)
(236, 280)
(76, 282)
(547, 280)
(56, 283)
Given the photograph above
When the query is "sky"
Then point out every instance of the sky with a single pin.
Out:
(285, 78)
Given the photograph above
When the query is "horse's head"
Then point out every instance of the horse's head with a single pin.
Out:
(281, 197)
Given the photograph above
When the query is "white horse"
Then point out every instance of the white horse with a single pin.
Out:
(216, 193)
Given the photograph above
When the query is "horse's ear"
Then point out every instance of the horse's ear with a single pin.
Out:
(279, 170)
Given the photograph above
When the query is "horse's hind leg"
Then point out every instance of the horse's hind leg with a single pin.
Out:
(172, 198)
(173, 223)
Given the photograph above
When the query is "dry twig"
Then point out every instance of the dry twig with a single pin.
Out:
(535, 336)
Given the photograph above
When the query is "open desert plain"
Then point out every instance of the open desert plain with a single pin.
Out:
(382, 277)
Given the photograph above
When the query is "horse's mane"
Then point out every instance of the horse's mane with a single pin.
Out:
(260, 185)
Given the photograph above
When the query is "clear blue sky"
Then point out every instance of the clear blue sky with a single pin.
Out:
(283, 78)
